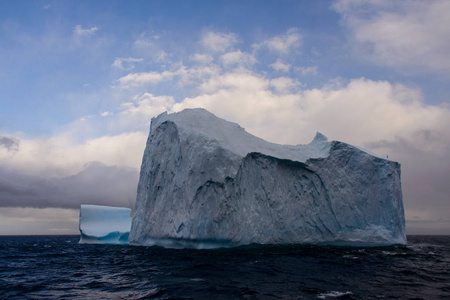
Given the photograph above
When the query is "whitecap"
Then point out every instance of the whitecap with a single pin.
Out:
(333, 294)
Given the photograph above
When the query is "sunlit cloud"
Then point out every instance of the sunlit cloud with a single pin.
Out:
(217, 41)
(142, 78)
(238, 58)
(284, 43)
(126, 64)
(312, 70)
(406, 33)
(145, 106)
(280, 66)
(202, 58)
(79, 31)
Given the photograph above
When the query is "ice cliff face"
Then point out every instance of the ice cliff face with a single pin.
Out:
(206, 182)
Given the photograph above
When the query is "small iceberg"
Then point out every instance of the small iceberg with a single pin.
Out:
(104, 224)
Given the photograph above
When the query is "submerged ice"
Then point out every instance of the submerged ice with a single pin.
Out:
(104, 224)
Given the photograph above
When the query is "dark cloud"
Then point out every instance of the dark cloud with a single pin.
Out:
(95, 184)
(9, 143)
(424, 182)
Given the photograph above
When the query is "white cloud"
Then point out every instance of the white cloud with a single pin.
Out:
(146, 106)
(280, 66)
(360, 112)
(308, 70)
(217, 41)
(106, 114)
(202, 58)
(406, 33)
(240, 79)
(62, 155)
(285, 85)
(237, 57)
(284, 43)
(79, 31)
(142, 78)
(126, 64)
(162, 56)
(183, 74)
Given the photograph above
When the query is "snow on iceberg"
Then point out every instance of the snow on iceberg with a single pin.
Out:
(206, 182)
(104, 224)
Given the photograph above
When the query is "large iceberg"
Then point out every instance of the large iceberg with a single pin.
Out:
(206, 182)
(104, 224)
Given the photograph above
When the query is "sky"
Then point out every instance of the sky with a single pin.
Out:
(81, 80)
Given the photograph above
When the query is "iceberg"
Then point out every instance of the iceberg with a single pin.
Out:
(104, 224)
(205, 183)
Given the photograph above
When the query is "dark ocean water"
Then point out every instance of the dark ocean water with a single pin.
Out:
(50, 267)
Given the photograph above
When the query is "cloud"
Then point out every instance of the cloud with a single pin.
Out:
(280, 66)
(79, 31)
(407, 33)
(106, 114)
(183, 74)
(20, 220)
(95, 184)
(62, 155)
(285, 85)
(239, 79)
(217, 41)
(9, 143)
(143, 108)
(142, 78)
(126, 64)
(237, 58)
(380, 109)
(307, 70)
(202, 58)
(284, 43)
(162, 56)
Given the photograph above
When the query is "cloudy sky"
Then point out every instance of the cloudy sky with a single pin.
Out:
(80, 81)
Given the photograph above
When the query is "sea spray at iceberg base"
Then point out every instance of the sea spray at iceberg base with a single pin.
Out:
(206, 182)
(104, 224)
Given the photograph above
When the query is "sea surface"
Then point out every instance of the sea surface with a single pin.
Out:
(57, 267)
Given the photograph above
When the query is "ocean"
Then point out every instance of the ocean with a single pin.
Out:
(57, 267)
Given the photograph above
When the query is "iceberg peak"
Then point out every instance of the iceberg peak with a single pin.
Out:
(319, 138)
